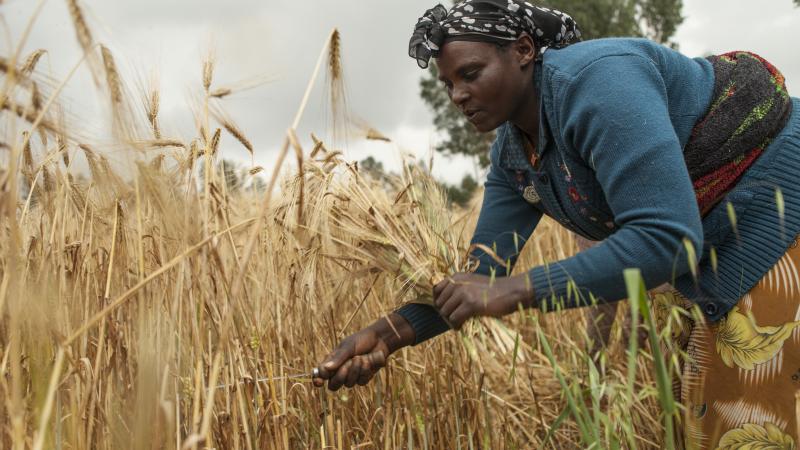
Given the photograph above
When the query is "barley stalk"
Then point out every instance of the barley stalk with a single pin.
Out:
(152, 106)
(112, 75)
(224, 119)
(31, 61)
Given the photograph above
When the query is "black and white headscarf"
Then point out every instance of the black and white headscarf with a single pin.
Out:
(490, 21)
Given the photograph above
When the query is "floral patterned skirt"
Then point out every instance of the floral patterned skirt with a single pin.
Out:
(741, 381)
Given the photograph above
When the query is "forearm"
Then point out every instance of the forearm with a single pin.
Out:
(596, 274)
(518, 292)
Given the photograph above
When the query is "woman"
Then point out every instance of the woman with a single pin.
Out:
(631, 143)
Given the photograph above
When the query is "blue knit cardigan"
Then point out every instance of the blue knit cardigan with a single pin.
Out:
(615, 116)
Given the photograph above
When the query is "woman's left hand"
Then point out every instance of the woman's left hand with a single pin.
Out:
(466, 295)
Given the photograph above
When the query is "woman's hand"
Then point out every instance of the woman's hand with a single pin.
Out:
(466, 295)
(359, 356)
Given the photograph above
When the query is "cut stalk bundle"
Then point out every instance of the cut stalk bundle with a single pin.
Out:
(404, 228)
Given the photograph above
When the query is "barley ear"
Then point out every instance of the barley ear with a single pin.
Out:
(112, 75)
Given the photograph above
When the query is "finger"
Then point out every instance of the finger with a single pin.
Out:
(316, 379)
(365, 377)
(374, 362)
(444, 294)
(437, 289)
(340, 376)
(365, 371)
(460, 315)
(334, 360)
(323, 374)
(450, 305)
(377, 359)
(354, 372)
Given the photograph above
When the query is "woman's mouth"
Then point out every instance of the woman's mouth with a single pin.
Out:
(472, 115)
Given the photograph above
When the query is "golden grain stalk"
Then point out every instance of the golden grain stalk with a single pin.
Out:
(221, 92)
(224, 119)
(241, 86)
(366, 130)
(112, 75)
(85, 39)
(214, 144)
(82, 31)
(152, 103)
(31, 61)
(208, 72)
(336, 88)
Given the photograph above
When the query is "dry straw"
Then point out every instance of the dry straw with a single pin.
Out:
(129, 297)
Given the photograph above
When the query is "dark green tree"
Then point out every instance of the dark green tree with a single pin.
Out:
(373, 168)
(654, 19)
(456, 194)
(258, 184)
(461, 194)
(230, 170)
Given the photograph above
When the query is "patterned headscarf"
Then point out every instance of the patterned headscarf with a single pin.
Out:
(490, 21)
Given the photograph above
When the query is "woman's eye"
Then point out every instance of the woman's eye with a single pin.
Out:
(471, 75)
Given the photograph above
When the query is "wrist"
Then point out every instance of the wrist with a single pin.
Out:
(520, 291)
(394, 331)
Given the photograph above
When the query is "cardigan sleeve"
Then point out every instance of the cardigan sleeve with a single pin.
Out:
(614, 113)
(505, 222)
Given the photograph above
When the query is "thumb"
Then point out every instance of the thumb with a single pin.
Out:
(332, 362)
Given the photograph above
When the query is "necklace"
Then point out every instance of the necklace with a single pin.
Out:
(530, 150)
(529, 193)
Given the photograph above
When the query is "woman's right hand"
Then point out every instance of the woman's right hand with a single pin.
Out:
(359, 356)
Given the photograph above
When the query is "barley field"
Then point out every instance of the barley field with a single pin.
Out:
(153, 304)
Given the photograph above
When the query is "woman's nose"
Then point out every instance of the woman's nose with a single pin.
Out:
(459, 95)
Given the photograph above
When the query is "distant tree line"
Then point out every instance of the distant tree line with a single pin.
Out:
(456, 194)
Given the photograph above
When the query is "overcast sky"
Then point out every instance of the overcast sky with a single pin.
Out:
(280, 40)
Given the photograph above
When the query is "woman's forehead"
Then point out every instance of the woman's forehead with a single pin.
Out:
(460, 55)
(461, 49)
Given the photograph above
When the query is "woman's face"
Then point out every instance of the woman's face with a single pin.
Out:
(486, 83)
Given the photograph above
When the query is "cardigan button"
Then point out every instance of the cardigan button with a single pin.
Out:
(710, 308)
(544, 179)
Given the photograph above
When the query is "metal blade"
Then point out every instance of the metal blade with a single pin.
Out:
(263, 380)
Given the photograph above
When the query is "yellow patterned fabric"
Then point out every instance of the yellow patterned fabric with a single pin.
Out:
(741, 380)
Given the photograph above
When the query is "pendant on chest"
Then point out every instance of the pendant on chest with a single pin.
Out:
(530, 194)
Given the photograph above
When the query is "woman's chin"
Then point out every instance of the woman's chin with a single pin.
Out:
(483, 121)
(484, 126)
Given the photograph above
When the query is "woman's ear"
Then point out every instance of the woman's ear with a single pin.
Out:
(524, 49)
